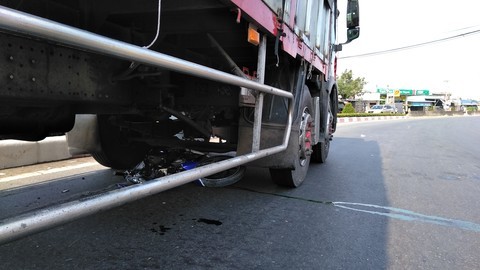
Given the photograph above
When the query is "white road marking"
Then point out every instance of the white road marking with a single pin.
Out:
(407, 215)
(48, 171)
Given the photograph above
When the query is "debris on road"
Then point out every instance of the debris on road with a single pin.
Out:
(161, 162)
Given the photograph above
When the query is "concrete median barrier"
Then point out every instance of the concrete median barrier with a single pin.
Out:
(15, 153)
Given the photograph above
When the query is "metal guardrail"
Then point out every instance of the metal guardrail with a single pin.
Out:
(29, 223)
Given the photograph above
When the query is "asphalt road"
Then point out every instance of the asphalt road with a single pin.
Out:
(398, 194)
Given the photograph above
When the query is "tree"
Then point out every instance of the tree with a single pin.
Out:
(348, 87)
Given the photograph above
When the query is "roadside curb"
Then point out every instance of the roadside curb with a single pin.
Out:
(345, 120)
(15, 153)
(367, 119)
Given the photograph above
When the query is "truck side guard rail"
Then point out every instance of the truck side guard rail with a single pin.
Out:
(35, 221)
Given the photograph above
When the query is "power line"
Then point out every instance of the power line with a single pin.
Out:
(412, 46)
(463, 28)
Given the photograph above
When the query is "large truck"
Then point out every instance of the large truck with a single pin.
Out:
(252, 77)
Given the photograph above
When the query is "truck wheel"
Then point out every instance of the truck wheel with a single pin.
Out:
(320, 150)
(300, 149)
(117, 153)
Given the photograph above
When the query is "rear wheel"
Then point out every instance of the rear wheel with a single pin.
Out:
(300, 149)
(321, 149)
(117, 151)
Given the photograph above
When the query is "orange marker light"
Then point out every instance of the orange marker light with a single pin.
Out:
(253, 36)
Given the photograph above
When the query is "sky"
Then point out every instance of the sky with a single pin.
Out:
(452, 66)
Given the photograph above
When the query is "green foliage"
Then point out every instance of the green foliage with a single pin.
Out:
(348, 86)
(472, 109)
(348, 108)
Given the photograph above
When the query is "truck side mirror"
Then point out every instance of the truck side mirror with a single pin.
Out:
(353, 24)
(353, 14)
(353, 34)
(353, 20)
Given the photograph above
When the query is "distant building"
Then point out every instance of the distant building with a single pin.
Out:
(422, 103)
(364, 101)
(469, 103)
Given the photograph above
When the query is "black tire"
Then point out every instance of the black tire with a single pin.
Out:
(294, 177)
(117, 152)
(221, 179)
(321, 149)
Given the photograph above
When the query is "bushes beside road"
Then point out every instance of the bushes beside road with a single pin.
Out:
(349, 111)
(368, 114)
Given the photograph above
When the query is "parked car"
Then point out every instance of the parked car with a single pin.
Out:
(382, 109)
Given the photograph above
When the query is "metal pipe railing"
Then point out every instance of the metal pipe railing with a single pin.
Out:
(19, 226)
